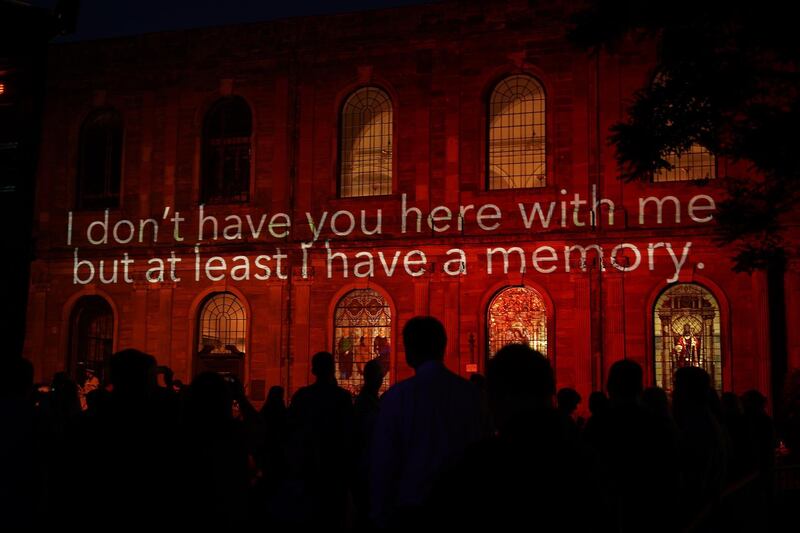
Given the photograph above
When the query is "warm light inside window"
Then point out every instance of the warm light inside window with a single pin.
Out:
(223, 326)
(696, 163)
(517, 315)
(2, 88)
(366, 149)
(517, 134)
(687, 328)
(362, 332)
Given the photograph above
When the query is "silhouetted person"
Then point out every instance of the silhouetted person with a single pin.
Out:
(762, 432)
(366, 405)
(166, 389)
(743, 456)
(704, 448)
(215, 467)
(59, 407)
(275, 417)
(745, 503)
(247, 415)
(531, 474)
(598, 403)
(117, 459)
(479, 380)
(424, 426)
(365, 414)
(567, 401)
(275, 400)
(635, 456)
(656, 401)
(321, 418)
(790, 429)
(21, 477)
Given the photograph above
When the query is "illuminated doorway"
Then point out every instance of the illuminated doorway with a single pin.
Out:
(222, 335)
(687, 332)
(91, 339)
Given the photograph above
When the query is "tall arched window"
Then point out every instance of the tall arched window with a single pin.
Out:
(362, 331)
(91, 338)
(696, 163)
(222, 334)
(366, 144)
(516, 121)
(100, 160)
(687, 333)
(226, 151)
(517, 315)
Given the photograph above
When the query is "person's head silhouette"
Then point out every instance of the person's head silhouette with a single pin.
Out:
(210, 399)
(753, 402)
(132, 373)
(731, 404)
(275, 396)
(568, 400)
(692, 386)
(518, 379)
(625, 381)
(598, 402)
(323, 367)
(692, 394)
(424, 339)
(373, 375)
(656, 401)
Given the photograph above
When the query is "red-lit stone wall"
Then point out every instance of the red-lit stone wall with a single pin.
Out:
(438, 63)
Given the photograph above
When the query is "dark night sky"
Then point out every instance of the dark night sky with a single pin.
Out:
(112, 18)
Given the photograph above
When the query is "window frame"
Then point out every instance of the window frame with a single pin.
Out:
(545, 124)
(108, 200)
(724, 333)
(207, 143)
(389, 310)
(715, 167)
(83, 304)
(339, 160)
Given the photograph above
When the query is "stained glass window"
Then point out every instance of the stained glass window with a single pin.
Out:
(362, 331)
(223, 326)
(687, 333)
(91, 338)
(517, 315)
(696, 163)
(517, 134)
(226, 151)
(100, 160)
(366, 144)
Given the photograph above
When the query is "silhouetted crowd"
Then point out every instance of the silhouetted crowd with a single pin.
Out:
(500, 452)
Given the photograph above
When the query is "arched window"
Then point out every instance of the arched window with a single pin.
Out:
(222, 335)
(516, 150)
(517, 315)
(100, 160)
(91, 338)
(362, 331)
(696, 163)
(226, 151)
(366, 144)
(687, 333)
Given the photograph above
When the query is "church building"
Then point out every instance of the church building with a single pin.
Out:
(238, 198)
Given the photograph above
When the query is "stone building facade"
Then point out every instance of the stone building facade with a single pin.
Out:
(450, 104)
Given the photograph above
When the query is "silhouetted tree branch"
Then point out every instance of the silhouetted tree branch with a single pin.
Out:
(726, 78)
